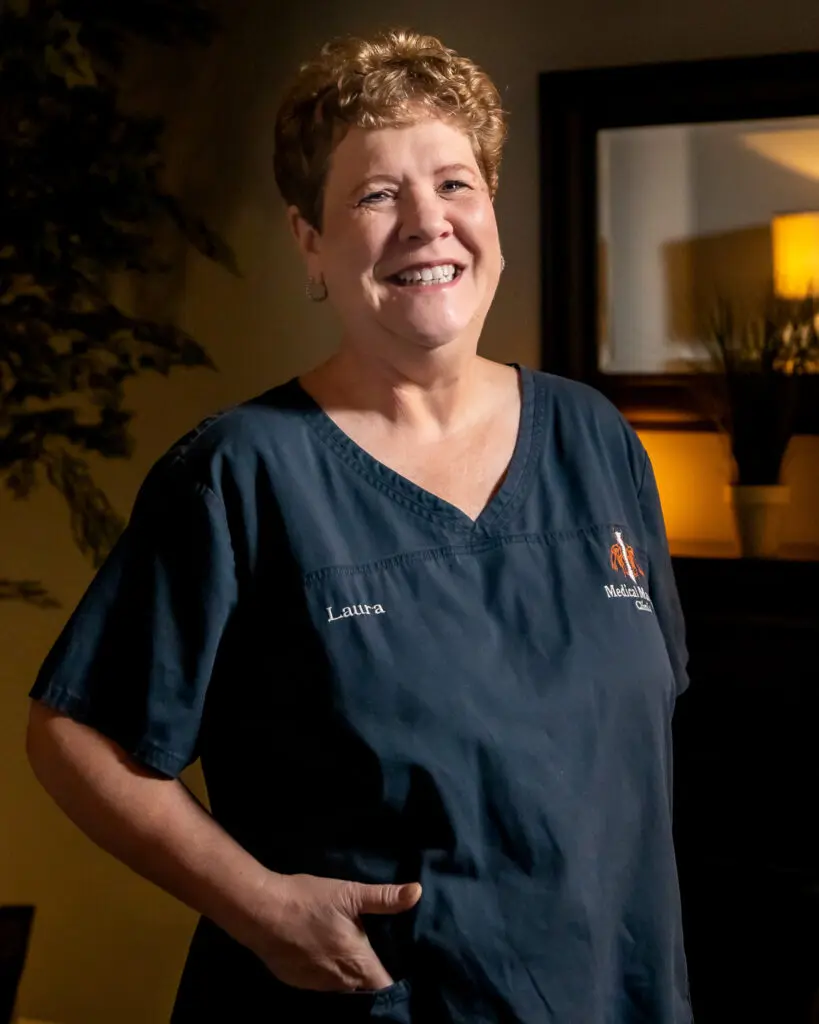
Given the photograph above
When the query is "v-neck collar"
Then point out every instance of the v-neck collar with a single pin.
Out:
(417, 498)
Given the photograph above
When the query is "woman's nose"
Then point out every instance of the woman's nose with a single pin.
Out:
(423, 218)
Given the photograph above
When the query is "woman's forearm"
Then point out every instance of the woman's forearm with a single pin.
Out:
(153, 825)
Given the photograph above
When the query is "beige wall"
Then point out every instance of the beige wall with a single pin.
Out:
(107, 947)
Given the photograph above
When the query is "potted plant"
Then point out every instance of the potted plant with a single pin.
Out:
(760, 365)
(84, 205)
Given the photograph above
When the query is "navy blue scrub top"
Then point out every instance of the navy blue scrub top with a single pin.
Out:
(382, 689)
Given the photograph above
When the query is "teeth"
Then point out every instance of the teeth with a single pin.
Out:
(429, 275)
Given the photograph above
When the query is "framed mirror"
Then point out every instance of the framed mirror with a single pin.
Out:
(666, 191)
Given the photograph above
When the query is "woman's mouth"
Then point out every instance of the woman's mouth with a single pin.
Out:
(427, 277)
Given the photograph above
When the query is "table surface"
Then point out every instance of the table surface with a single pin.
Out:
(719, 549)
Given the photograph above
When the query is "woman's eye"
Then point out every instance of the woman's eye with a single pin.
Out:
(375, 197)
(454, 186)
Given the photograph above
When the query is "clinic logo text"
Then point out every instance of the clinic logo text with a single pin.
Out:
(622, 560)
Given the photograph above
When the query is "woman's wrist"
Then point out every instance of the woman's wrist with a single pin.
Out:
(249, 914)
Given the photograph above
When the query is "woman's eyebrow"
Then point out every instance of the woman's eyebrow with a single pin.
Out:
(371, 180)
(452, 168)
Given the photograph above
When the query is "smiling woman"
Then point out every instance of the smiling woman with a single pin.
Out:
(393, 605)
(409, 255)
(394, 214)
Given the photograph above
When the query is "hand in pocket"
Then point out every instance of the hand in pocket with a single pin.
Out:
(310, 936)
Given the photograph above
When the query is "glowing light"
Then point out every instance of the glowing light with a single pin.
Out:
(795, 238)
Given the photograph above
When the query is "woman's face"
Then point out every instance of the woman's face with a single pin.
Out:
(409, 245)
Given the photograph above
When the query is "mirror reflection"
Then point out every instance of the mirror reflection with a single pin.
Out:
(694, 215)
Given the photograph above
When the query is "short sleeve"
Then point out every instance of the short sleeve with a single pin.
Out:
(664, 594)
(136, 657)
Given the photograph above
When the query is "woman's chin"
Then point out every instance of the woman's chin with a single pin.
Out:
(432, 335)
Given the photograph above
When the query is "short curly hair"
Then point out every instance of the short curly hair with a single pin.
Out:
(388, 80)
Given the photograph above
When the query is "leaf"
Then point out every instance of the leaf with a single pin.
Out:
(201, 236)
(21, 481)
(95, 524)
(29, 591)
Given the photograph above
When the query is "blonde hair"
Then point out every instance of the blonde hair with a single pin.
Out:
(394, 78)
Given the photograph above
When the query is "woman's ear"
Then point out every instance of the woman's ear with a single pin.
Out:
(308, 238)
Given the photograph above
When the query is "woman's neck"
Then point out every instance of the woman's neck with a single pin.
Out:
(439, 395)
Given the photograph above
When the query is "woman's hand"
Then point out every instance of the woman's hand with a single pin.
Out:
(307, 930)
(311, 936)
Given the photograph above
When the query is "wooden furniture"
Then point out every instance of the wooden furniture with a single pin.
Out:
(747, 787)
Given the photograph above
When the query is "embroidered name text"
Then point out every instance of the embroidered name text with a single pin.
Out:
(350, 610)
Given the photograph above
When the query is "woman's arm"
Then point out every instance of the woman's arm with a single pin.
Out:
(152, 824)
(305, 929)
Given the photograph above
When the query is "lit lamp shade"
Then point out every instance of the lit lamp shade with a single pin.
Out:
(796, 254)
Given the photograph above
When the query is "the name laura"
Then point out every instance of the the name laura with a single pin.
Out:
(349, 610)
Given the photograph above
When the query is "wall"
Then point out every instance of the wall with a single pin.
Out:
(646, 202)
(107, 946)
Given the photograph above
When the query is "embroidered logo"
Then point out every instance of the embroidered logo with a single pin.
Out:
(349, 611)
(623, 560)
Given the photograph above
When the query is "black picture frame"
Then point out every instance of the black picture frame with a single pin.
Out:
(574, 106)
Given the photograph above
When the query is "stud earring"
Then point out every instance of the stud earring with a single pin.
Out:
(316, 289)
(503, 263)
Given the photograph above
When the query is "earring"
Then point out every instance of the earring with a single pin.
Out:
(503, 263)
(316, 290)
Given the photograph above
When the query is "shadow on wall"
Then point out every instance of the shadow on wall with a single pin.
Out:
(734, 266)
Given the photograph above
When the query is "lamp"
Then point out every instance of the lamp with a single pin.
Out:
(795, 238)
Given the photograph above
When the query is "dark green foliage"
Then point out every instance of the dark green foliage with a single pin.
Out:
(762, 364)
(82, 202)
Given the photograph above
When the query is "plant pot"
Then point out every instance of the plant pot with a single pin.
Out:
(758, 511)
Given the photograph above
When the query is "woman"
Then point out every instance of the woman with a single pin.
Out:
(414, 611)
